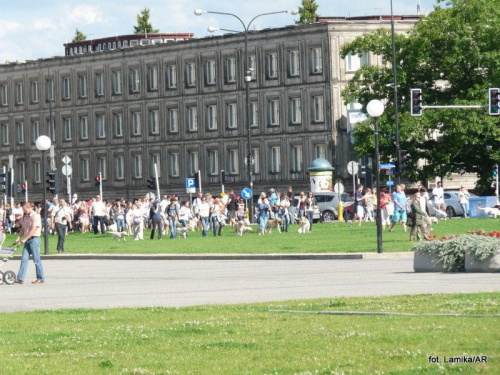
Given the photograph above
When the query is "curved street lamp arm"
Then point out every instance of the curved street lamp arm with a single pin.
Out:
(263, 14)
(230, 14)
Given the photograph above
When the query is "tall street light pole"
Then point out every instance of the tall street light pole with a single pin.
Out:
(375, 109)
(43, 143)
(396, 114)
(248, 78)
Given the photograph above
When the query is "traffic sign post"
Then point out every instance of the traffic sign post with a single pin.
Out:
(352, 168)
(66, 170)
(190, 185)
(246, 194)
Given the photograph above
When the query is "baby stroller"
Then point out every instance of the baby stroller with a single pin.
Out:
(7, 277)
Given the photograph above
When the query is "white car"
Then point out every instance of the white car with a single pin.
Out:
(451, 203)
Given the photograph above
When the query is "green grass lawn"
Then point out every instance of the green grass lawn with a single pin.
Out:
(254, 339)
(325, 238)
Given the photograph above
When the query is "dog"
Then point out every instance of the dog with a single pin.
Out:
(193, 224)
(180, 230)
(490, 211)
(242, 227)
(305, 226)
(441, 214)
(117, 236)
(273, 224)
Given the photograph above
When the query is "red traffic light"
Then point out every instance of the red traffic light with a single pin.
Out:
(23, 186)
(97, 178)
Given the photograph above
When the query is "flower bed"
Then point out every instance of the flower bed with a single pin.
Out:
(474, 252)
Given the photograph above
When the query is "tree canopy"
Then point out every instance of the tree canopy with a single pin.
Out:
(307, 12)
(453, 55)
(143, 24)
(79, 36)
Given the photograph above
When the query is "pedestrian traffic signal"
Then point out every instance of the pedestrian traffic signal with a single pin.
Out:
(3, 183)
(493, 102)
(416, 102)
(152, 183)
(52, 182)
(9, 186)
(97, 181)
(404, 160)
(495, 170)
(222, 176)
(23, 188)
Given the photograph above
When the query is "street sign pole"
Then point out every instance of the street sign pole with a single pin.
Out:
(26, 191)
(100, 186)
(157, 181)
(199, 179)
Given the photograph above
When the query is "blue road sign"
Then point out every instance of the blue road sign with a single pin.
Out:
(386, 166)
(389, 183)
(246, 193)
(190, 183)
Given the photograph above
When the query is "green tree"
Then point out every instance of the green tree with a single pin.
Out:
(307, 12)
(453, 56)
(143, 24)
(79, 36)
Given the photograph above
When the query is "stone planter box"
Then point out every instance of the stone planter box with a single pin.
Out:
(424, 263)
(491, 264)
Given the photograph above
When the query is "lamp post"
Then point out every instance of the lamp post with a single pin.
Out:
(375, 109)
(43, 143)
(396, 114)
(248, 78)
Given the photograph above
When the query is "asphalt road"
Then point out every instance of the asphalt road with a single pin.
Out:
(134, 283)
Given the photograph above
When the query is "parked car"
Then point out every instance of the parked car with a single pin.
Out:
(328, 204)
(293, 209)
(451, 202)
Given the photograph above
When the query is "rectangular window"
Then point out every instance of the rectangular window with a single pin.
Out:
(118, 124)
(213, 162)
(85, 165)
(117, 82)
(271, 65)
(101, 126)
(256, 160)
(254, 114)
(154, 127)
(319, 151)
(119, 165)
(230, 69)
(152, 78)
(210, 72)
(19, 93)
(5, 134)
(99, 84)
(273, 112)
(293, 63)
(3, 95)
(192, 162)
(20, 132)
(52, 129)
(34, 92)
(192, 118)
(252, 66)
(296, 162)
(84, 127)
(137, 173)
(134, 80)
(82, 86)
(37, 171)
(172, 76)
(295, 111)
(316, 61)
(354, 62)
(66, 88)
(211, 117)
(234, 167)
(190, 74)
(232, 116)
(174, 164)
(275, 160)
(67, 129)
(173, 126)
(136, 123)
(21, 174)
(317, 109)
(35, 130)
(155, 159)
(101, 165)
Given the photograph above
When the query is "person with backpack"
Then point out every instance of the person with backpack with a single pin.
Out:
(156, 219)
(173, 215)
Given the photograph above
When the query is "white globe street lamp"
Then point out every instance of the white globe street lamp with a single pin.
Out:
(43, 144)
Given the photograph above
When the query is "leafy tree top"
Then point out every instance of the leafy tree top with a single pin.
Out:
(143, 24)
(307, 12)
(79, 36)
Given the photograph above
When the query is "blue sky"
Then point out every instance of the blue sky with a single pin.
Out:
(31, 29)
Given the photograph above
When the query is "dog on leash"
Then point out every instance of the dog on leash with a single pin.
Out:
(273, 224)
(490, 211)
(441, 214)
(117, 236)
(193, 224)
(181, 230)
(305, 225)
(242, 227)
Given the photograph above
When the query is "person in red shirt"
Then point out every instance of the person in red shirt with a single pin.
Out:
(385, 200)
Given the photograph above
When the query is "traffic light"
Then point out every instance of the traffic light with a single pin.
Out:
(10, 187)
(97, 181)
(404, 160)
(223, 176)
(495, 170)
(52, 182)
(196, 180)
(23, 188)
(152, 183)
(493, 102)
(416, 102)
(363, 170)
(3, 183)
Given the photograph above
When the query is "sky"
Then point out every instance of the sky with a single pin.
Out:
(32, 29)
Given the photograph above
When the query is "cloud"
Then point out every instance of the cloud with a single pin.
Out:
(87, 14)
(7, 27)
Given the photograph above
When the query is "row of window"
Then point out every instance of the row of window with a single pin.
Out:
(192, 163)
(109, 46)
(172, 120)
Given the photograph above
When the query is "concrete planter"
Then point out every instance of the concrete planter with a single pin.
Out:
(426, 263)
(491, 264)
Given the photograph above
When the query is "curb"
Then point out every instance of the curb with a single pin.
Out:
(300, 256)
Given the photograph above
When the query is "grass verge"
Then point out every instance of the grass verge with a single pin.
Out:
(251, 339)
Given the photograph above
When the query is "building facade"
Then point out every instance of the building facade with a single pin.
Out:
(182, 107)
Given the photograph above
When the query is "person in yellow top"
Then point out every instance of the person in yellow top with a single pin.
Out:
(29, 236)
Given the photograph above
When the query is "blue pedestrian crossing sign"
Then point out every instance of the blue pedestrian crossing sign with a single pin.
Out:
(246, 193)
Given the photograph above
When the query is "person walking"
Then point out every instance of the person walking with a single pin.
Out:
(138, 222)
(359, 209)
(263, 208)
(156, 219)
(385, 200)
(310, 208)
(438, 196)
(284, 212)
(98, 210)
(204, 210)
(418, 226)
(464, 197)
(60, 220)
(399, 199)
(31, 229)
(173, 215)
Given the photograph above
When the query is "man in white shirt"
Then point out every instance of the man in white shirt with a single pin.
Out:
(438, 194)
(61, 217)
(99, 212)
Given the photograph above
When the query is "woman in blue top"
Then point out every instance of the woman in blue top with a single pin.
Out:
(263, 209)
(399, 199)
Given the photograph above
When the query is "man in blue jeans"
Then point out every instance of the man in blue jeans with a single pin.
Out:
(31, 229)
(399, 199)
